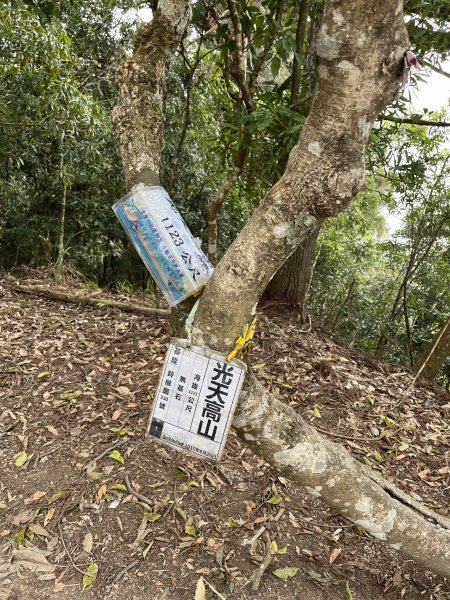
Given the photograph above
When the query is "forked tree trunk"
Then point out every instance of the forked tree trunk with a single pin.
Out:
(360, 51)
(431, 361)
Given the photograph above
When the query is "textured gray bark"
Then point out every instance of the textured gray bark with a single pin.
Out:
(138, 114)
(276, 433)
(291, 282)
(360, 50)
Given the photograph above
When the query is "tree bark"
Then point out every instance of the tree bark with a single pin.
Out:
(360, 51)
(279, 435)
(141, 82)
(291, 283)
(432, 360)
(292, 280)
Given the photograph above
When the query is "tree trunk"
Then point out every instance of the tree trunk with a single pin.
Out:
(299, 44)
(291, 282)
(432, 360)
(360, 50)
(141, 83)
(62, 217)
(217, 201)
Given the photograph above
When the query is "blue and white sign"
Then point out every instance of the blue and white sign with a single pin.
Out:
(164, 242)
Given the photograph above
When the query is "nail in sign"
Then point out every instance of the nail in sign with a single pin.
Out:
(196, 397)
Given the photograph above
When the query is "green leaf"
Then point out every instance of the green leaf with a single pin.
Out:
(232, 522)
(115, 455)
(158, 484)
(152, 517)
(91, 574)
(147, 550)
(377, 456)
(181, 512)
(258, 366)
(179, 473)
(71, 396)
(43, 374)
(286, 573)
(58, 494)
(20, 459)
(119, 430)
(184, 487)
(276, 550)
(276, 499)
(190, 530)
(348, 592)
(275, 66)
(19, 540)
(119, 486)
(316, 413)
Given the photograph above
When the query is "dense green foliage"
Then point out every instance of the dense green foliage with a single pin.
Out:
(56, 139)
(60, 170)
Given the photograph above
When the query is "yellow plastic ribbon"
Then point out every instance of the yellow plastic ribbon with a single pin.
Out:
(198, 292)
(243, 342)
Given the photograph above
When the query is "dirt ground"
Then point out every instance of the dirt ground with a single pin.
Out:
(77, 381)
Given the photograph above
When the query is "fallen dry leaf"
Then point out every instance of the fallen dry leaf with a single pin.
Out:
(333, 556)
(88, 542)
(200, 591)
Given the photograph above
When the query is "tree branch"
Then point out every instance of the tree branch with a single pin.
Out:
(237, 69)
(299, 43)
(410, 121)
(435, 69)
(141, 80)
(96, 301)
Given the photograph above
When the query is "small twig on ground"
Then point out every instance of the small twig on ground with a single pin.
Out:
(205, 516)
(279, 514)
(258, 534)
(105, 452)
(222, 473)
(259, 572)
(72, 562)
(139, 496)
(125, 570)
(168, 509)
(218, 594)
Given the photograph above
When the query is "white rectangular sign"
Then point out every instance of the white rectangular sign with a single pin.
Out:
(164, 242)
(196, 397)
